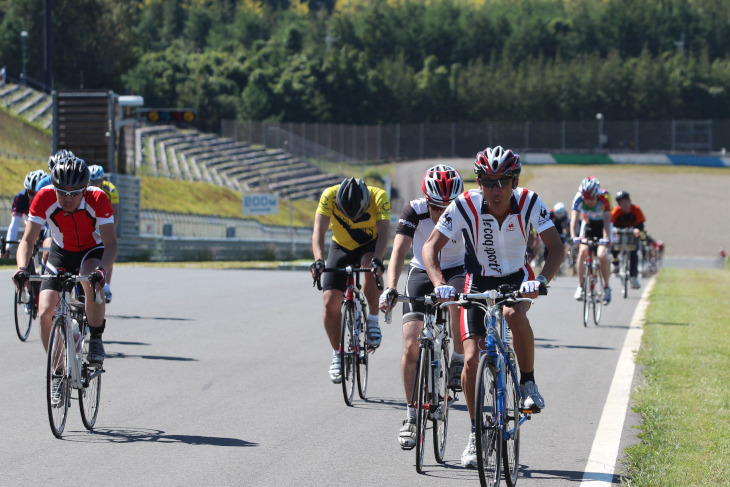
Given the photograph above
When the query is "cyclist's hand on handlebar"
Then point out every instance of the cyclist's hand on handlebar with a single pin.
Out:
(603, 241)
(530, 289)
(317, 268)
(387, 299)
(20, 276)
(98, 276)
(445, 292)
(377, 267)
(576, 240)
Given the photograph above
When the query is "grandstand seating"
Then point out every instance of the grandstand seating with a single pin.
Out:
(32, 105)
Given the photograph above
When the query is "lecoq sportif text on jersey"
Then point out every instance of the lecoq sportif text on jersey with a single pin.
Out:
(493, 249)
(75, 231)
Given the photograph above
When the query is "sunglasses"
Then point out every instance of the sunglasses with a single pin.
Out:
(75, 192)
(500, 183)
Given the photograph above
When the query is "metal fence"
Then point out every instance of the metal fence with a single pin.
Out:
(384, 142)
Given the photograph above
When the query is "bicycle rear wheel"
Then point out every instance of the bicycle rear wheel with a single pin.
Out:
(363, 358)
(488, 431)
(441, 396)
(24, 314)
(511, 445)
(597, 297)
(57, 375)
(348, 352)
(423, 406)
(586, 293)
(90, 394)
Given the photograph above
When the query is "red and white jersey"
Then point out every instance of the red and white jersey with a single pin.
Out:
(491, 249)
(75, 231)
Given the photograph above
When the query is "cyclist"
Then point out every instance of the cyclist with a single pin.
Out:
(21, 205)
(495, 221)
(628, 215)
(360, 217)
(82, 228)
(441, 184)
(595, 205)
(97, 179)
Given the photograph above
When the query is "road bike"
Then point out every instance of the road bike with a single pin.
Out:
(25, 301)
(354, 350)
(499, 415)
(431, 396)
(592, 282)
(626, 244)
(68, 367)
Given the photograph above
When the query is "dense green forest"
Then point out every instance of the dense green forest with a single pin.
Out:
(371, 61)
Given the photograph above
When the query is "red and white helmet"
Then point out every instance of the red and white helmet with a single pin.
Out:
(441, 184)
(497, 161)
(589, 187)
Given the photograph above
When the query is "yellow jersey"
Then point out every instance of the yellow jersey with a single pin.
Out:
(346, 233)
(111, 192)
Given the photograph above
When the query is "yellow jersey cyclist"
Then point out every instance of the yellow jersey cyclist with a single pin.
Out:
(97, 180)
(441, 184)
(360, 218)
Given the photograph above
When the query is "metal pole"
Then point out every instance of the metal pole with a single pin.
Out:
(23, 35)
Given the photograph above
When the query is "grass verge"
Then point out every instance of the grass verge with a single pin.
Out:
(685, 430)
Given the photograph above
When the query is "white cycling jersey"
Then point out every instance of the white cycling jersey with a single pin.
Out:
(491, 249)
(415, 222)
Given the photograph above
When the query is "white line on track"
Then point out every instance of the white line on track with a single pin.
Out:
(604, 452)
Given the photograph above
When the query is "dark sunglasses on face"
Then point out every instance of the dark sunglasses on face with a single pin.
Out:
(500, 183)
(63, 192)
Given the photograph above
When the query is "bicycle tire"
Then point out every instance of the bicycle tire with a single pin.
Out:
(57, 367)
(625, 276)
(597, 297)
(488, 431)
(363, 356)
(24, 314)
(511, 445)
(441, 413)
(423, 405)
(348, 352)
(90, 393)
(586, 293)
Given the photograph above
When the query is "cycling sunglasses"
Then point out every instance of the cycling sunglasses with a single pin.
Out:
(63, 192)
(500, 183)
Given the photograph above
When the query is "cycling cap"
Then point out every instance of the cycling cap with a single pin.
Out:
(441, 184)
(97, 172)
(622, 194)
(589, 187)
(560, 210)
(353, 198)
(62, 155)
(497, 161)
(32, 178)
(70, 174)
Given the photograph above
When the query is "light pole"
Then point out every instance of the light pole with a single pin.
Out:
(23, 35)
(599, 117)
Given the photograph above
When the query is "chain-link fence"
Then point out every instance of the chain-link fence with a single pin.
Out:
(384, 142)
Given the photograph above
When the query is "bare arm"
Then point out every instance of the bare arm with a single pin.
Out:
(321, 224)
(436, 241)
(574, 223)
(115, 209)
(381, 245)
(606, 224)
(556, 252)
(401, 244)
(25, 247)
(109, 239)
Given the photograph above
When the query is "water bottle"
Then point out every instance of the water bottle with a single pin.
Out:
(76, 334)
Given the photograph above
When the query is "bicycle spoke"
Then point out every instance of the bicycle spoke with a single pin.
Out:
(57, 374)
(488, 429)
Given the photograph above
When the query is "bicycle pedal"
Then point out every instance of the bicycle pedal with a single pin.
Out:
(530, 410)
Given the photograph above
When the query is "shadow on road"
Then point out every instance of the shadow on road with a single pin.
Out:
(134, 435)
(137, 317)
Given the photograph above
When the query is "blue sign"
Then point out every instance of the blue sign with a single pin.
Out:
(261, 204)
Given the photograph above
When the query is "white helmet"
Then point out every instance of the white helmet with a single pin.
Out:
(560, 210)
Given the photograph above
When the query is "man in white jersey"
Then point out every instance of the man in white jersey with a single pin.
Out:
(496, 220)
(441, 184)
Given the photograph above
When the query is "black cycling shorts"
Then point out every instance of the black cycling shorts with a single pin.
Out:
(339, 256)
(60, 260)
(419, 284)
(593, 229)
(474, 323)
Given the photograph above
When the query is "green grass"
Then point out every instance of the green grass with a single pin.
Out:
(685, 434)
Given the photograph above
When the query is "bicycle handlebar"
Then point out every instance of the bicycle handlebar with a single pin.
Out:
(67, 279)
(504, 295)
(428, 300)
(350, 269)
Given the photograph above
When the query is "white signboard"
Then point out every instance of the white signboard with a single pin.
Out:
(261, 204)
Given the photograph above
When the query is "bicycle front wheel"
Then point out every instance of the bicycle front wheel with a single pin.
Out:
(90, 393)
(586, 293)
(511, 444)
(24, 314)
(57, 375)
(441, 414)
(423, 405)
(597, 298)
(625, 276)
(348, 351)
(363, 358)
(488, 430)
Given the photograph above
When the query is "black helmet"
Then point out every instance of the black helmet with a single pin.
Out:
(60, 156)
(622, 194)
(70, 174)
(353, 198)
